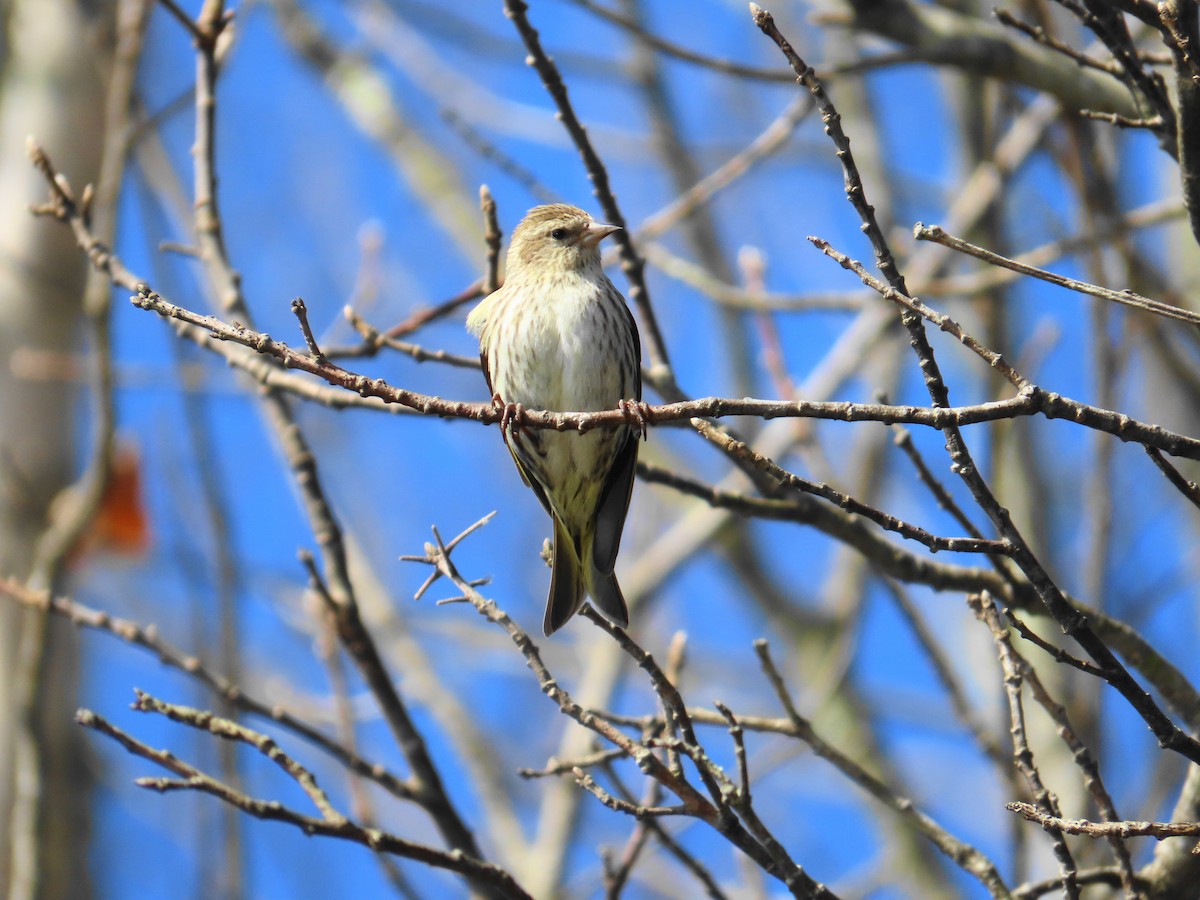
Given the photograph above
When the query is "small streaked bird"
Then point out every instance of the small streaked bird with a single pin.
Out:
(558, 336)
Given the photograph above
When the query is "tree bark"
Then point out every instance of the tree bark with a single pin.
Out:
(52, 85)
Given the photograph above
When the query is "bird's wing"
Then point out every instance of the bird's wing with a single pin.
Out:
(566, 582)
(637, 353)
(613, 505)
(528, 477)
(618, 486)
(487, 372)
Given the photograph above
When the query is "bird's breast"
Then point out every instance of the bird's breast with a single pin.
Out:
(569, 350)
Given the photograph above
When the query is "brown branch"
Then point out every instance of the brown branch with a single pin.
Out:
(741, 450)
(376, 339)
(148, 638)
(695, 804)
(427, 785)
(1060, 608)
(1038, 34)
(227, 729)
(720, 788)
(970, 860)
(436, 555)
(300, 311)
(985, 610)
(1151, 123)
(1125, 298)
(1178, 18)
(492, 236)
(1147, 89)
(336, 826)
(1189, 489)
(227, 283)
(413, 322)
(1105, 875)
(886, 556)
(1160, 831)
(616, 804)
(1030, 401)
(1156, 212)
(914, 307)
(1056, 653)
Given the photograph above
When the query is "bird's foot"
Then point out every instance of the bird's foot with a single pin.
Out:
(638, 413)
(512, 417)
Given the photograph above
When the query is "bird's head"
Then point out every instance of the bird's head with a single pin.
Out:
(556, 238)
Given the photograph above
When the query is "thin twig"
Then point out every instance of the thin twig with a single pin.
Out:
(375, 338)
(742, 450)
(616, 804)
(694, 802)
(969, 859)
(184, 19)
(919, 310)
(1060, 608)
(1038, 33)
(191, 778)
(1057, 653)
(300, 311)
(985, 609)
(1125, 298)
(1189, 489)
(492, 236)
(148, 638)
(1158, 830)
(904, 441)
(413, 322)
(631, 263)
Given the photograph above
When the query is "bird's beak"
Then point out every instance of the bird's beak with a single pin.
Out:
(596, 232)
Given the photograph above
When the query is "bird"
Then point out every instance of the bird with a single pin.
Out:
(558, 336)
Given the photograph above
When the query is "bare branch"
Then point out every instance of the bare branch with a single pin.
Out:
(1125, 298)
(1158, 830)
(193, 779)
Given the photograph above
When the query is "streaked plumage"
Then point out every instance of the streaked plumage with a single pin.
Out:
(559, 336)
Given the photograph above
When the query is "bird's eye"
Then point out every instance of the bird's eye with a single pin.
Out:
(558, 233)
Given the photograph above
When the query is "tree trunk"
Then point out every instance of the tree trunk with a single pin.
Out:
(52, 86)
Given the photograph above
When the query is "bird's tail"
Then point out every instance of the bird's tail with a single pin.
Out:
(606, 593)
(566, 582)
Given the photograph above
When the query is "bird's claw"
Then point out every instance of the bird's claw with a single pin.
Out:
(638, 412)
(512, 417)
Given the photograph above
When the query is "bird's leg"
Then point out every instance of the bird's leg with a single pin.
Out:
(638, 411)
(512, 417)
